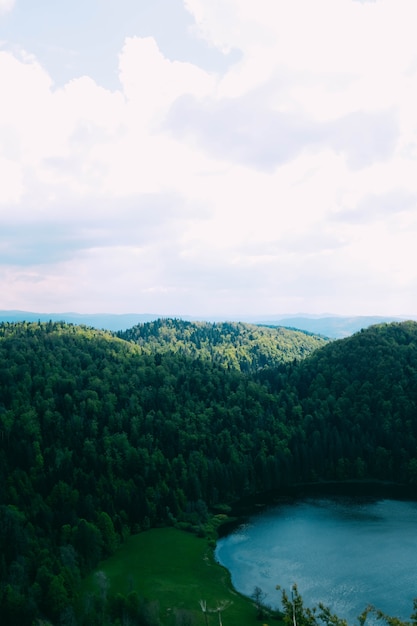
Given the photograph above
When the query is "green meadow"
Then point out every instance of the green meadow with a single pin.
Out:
(178, 570)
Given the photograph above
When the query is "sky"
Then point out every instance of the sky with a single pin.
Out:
(208, 157)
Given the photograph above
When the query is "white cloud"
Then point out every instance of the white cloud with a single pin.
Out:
(11, 181)
(287, 183)
(153, 82)
(245, 131)
(6, 6)
(320, 36)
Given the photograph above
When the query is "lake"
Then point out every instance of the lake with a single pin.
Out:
(344, 552)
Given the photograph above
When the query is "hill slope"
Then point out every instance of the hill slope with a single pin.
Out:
(99, 439)
(358, 399)
(245, 347)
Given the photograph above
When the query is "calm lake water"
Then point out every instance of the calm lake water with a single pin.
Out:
(344, 552)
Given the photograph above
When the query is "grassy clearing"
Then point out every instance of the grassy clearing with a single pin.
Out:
(177, 569)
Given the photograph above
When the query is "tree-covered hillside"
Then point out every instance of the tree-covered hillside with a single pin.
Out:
(358, 401)
(246, 347)
(101, 437)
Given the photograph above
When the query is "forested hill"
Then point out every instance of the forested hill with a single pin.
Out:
(246, 347)
(357, 403)
(101, 437)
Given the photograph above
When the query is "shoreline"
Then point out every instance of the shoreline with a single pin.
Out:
(248, 506)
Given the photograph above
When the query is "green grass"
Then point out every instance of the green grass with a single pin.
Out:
(177, 569)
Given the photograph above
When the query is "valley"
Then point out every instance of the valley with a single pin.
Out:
(105, 436)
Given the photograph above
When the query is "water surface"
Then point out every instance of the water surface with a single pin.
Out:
(344, 552)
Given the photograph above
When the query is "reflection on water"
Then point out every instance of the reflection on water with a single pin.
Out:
(345, 553)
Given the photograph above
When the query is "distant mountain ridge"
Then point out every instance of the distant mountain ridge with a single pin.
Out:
(336, 327)
(332, 326)
(102, 321)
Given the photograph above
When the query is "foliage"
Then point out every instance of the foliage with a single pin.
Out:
(238, 345)
(294, 613)
(259, 596)
(357, 402)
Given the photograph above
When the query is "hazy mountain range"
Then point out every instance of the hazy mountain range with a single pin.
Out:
(333, 326)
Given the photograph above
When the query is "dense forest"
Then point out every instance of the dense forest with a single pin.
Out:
(241, 346)
(103, 435)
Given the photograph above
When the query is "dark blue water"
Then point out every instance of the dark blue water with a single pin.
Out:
(342, 552)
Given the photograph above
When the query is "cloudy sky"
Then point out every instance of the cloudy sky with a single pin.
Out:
(208, 157)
